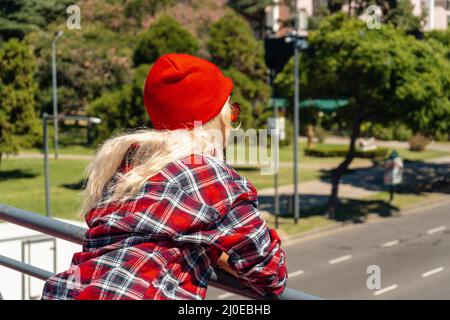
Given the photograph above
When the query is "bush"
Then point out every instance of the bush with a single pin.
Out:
(402, 133)
(341, 151)
(164, 36)
(234, 48)
(232, 44)
(121, 108)
(320, 133)
(396, 132)
(418, 142)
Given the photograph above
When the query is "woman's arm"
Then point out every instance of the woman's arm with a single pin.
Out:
(254, 250)
(223, 263)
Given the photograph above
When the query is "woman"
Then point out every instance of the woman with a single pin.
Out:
(163, 209)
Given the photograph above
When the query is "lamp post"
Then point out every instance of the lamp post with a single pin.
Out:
(45, 118)
(301, 25)
(55, 95)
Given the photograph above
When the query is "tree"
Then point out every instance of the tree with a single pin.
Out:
(387, 76)
(235, 50)
(19, 125)
(402, 16)
(165, 35)
(138, 9)
(89, 61)
(121, 108)
(397, 12)
(19, 17)
(254, 11)
(441, 36)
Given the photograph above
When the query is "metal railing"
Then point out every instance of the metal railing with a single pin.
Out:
(73, 233)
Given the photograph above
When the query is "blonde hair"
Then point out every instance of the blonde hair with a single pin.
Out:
(155, 149)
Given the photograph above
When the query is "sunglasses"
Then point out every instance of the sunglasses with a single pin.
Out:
(235, 111)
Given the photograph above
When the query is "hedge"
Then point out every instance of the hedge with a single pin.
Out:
(341, 151)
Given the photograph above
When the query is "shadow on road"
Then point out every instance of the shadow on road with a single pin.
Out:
(315, 205)
(418, 177)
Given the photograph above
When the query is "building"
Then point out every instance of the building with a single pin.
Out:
(279, 17)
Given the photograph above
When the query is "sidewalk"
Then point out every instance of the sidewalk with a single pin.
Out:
(438, 146)
(364, 181)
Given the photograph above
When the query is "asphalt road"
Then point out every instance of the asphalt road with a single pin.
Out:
(412, 252)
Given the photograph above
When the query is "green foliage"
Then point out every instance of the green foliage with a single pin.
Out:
(19, 17)
(232, 45)
(252, 95)
(253, 11)
(89, 61)
(387, 76)
(138, 9)
(442, 36)
(320, 133)
(121, 108)
(164, 36)
(19, 124)
(341, 151)
(397, 131)
(235, 50)
(402, 17)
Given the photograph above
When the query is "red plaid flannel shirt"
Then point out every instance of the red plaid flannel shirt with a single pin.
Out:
(164, 243)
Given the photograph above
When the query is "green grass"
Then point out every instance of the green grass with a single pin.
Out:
(285, 176)
(22, 185)
(404, 200)
(407, 154)
(379, 204)
(288, 227)
(286, 154)
(63, 149)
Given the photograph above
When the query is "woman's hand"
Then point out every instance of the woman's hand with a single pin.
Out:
(223, 263)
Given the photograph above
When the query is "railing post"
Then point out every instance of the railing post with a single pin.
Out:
(46, 177)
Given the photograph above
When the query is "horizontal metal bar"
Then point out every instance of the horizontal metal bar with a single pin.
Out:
(61, 116)
(25, 268)
(24, 238)
(69, 232)
(53, 227)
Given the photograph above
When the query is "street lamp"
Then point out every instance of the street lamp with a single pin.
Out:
(55, 95)
(301, 26)
(45, 118)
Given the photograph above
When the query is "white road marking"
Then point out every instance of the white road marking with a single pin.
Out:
(340, 259)
(437, 229)
(431, 272)
(390, 244)
(295, 273)
(225, 295)
(384, 290)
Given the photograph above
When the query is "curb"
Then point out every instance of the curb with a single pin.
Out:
(286, 240)
(341, 226)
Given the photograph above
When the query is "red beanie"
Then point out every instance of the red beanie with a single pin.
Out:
(181, 89)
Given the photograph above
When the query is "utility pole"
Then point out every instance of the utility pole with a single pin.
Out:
(45, 118)
(55, 94)
(301, 25)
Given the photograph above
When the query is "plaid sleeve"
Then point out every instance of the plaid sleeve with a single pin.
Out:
(254, 249)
